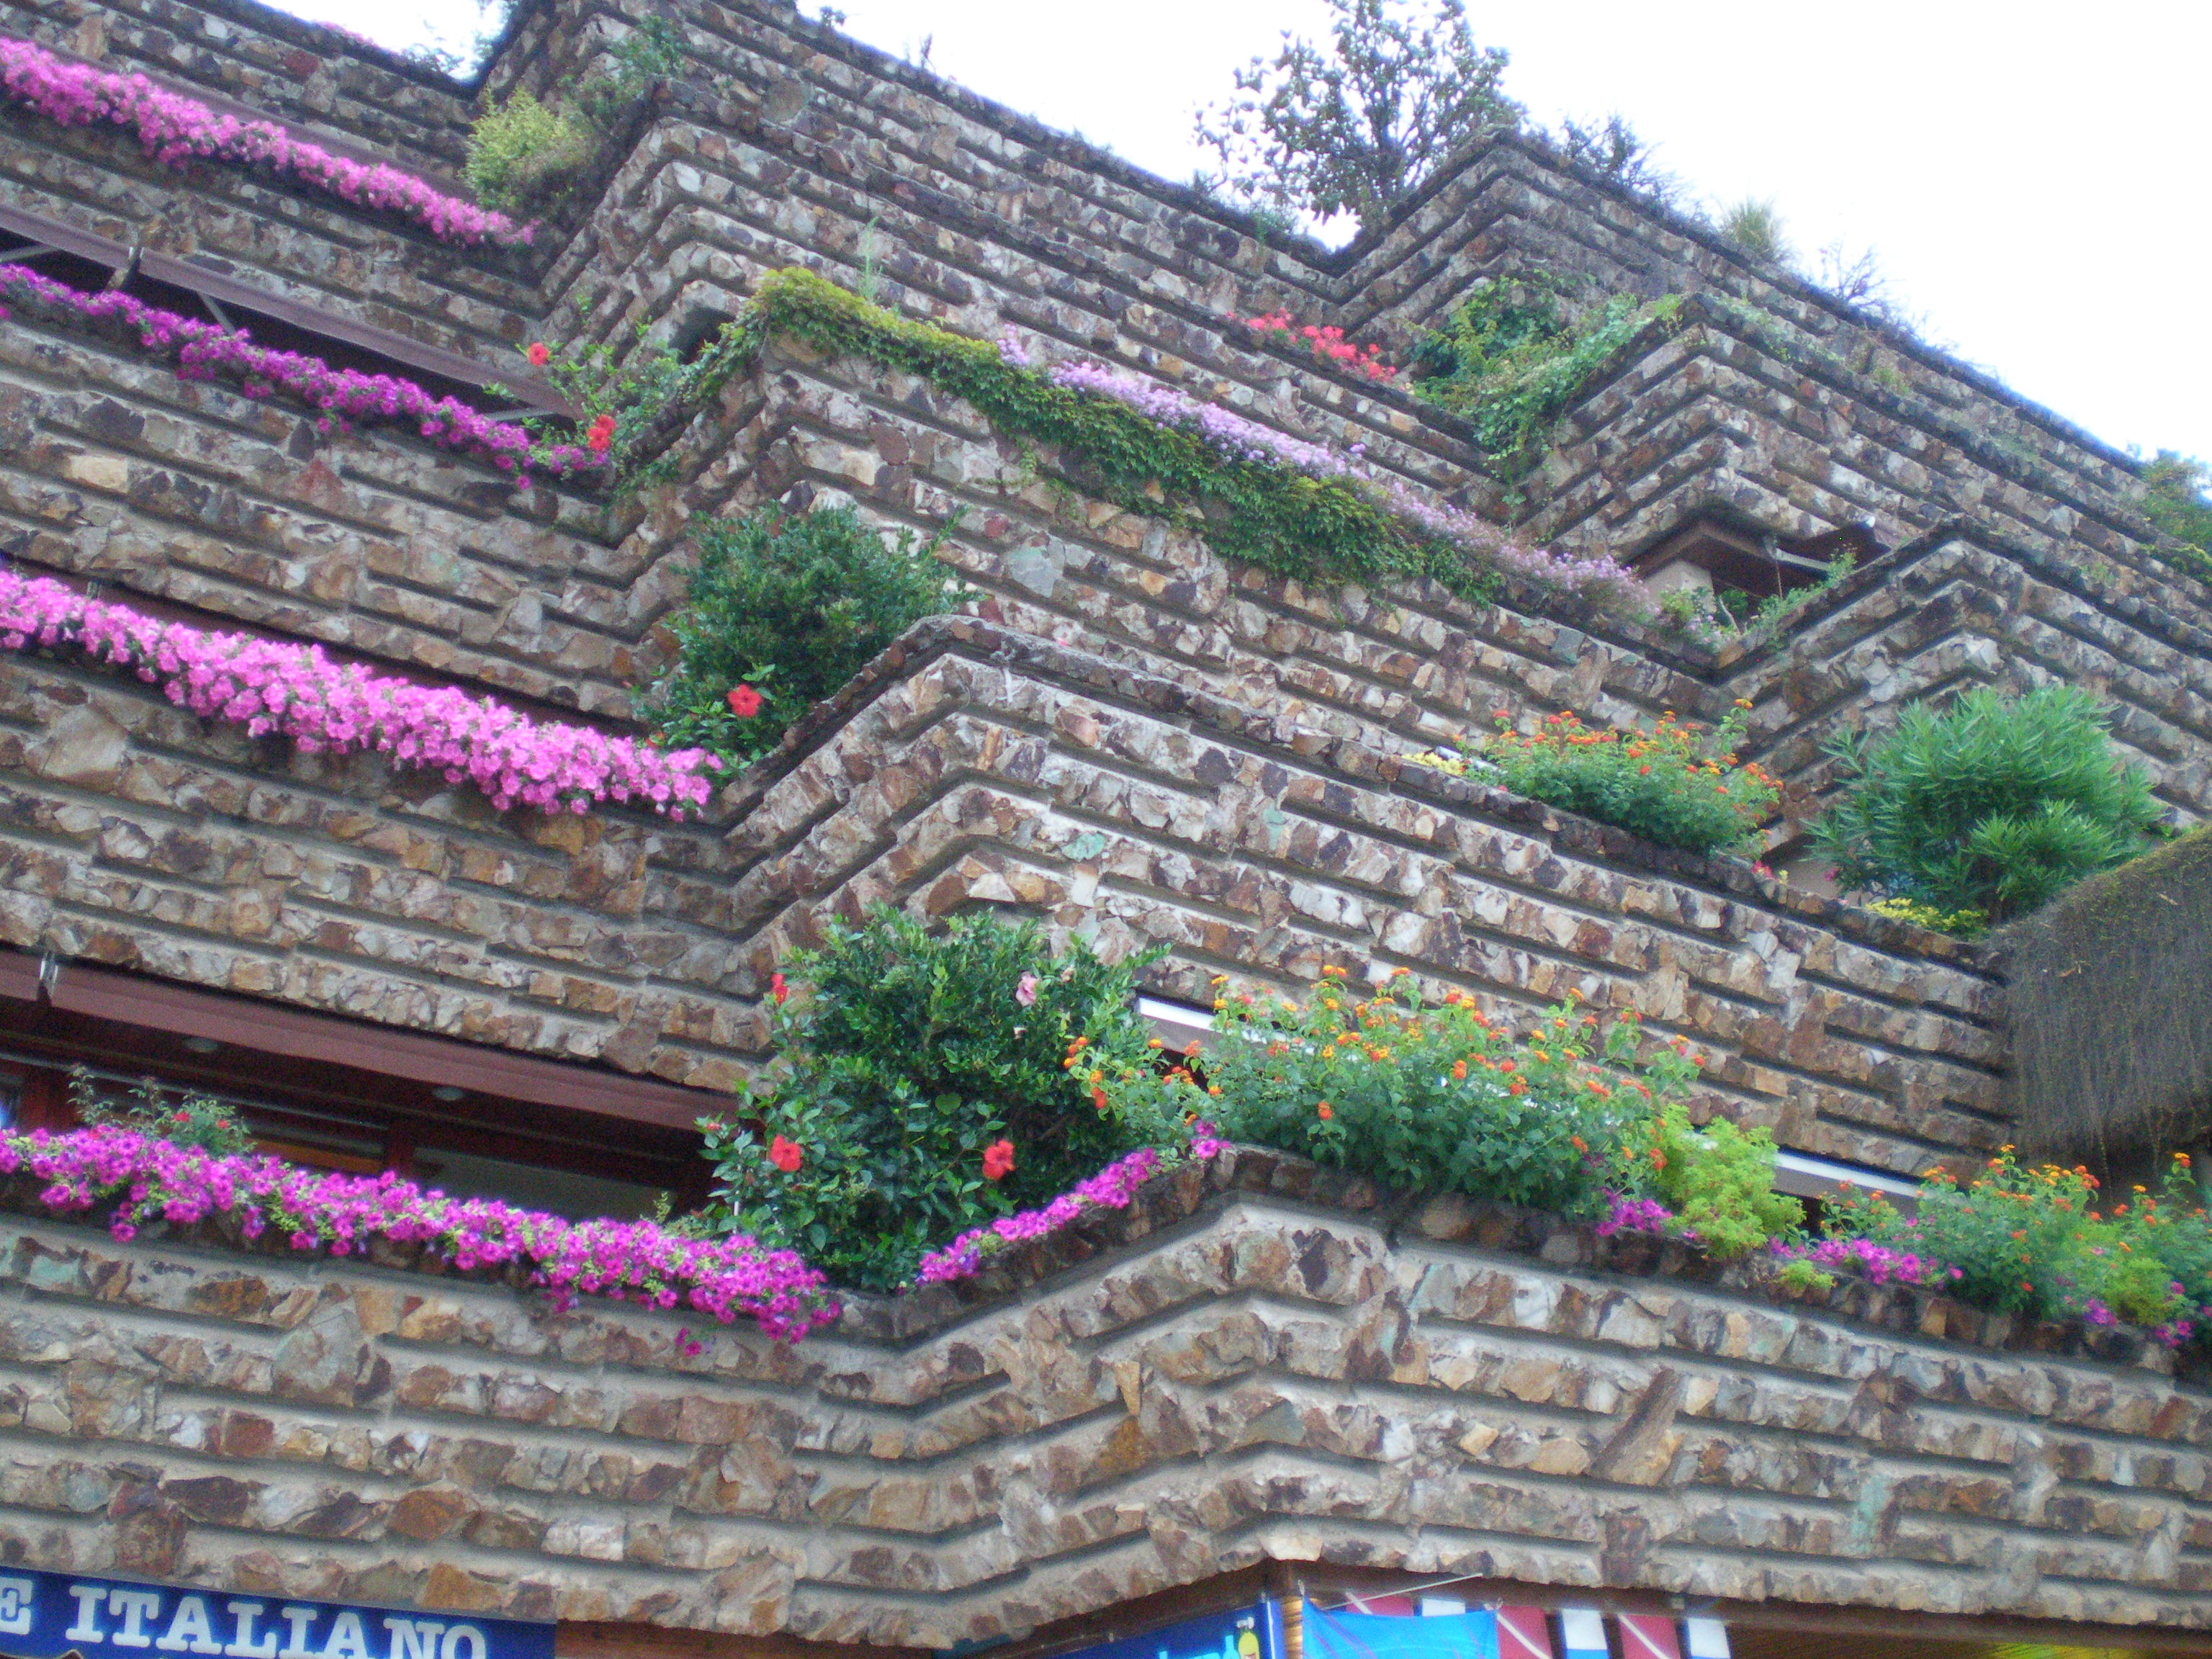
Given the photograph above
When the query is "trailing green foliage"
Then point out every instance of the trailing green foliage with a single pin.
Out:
(1729, 615)
(791, 606)
(190, 1119)
(1718, 1181)
(1268, 514)
(1512, 361)
(1995, 805)
(2177, 497)
(1423, 1096)
(930, 1082)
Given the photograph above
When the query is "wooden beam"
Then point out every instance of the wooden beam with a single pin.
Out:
(271, 1028)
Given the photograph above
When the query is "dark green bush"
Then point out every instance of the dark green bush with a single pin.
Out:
(791, 605)
(1995, 805)
(909, 1058)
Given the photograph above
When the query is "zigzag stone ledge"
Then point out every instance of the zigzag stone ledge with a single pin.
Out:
(1257, 1361)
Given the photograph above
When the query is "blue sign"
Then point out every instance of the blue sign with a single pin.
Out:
(49, 1615)
(1381, 1636)
(1247, 1633)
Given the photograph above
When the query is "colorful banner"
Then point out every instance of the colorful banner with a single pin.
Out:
(50, 1615)
(1387, 1636)
(1255, 1632)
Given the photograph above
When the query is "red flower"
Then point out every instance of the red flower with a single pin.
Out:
(785, 1155)
(602, 433)
(776, 987)
(998, 1160)
(744, 702)
(539, 353)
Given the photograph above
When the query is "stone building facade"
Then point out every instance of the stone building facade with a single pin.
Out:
(1262, 1379)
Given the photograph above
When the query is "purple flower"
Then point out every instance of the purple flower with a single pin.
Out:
(145, 1178)
(296, 691)
(175, 129)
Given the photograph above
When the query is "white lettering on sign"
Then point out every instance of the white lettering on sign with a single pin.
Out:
(243, 1614)
(347, 1639)
(301, 1621)
(191, 1630)
(414, 1639)
(87, 1628)
(456, 1635)
(18, 1601)
(134, 1605)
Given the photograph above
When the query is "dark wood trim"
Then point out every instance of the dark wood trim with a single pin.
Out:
(271, 1028)
(528, 389)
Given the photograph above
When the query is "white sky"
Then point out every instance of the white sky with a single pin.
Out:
(2031, 176)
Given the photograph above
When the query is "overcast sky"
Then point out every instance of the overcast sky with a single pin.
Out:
(2032, 178)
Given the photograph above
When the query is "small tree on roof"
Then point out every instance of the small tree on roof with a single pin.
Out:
(1359, 125)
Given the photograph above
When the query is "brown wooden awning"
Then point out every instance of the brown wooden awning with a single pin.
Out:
(257, 1026)
(202, 277)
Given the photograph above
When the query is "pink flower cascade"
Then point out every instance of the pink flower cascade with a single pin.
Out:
(206, 351)
(1111, 1188)
(1595, 577)
(174, 129)
(298, 692)
(152, 1180)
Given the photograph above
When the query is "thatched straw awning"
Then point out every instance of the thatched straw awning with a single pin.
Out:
(2111, 1010)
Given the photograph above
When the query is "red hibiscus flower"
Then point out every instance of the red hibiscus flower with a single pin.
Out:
(539, 353)
(602, 435)
(745, 703)
(998, 1160)
(785, 1155)
(776, 987)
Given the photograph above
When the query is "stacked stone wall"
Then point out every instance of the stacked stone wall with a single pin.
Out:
(1259, 1363)
(113, 469)
(1518, 207)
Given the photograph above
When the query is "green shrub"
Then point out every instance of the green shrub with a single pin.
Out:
(791, 605)
(1426, 1097)
(1995, 805)
(190, 1119)
(2177, 497)
(1512, 361)
(521, 151)
(910, 1058)
(1670, 784)
(1961, 924)
(1718, 1181)
(2032, 1240)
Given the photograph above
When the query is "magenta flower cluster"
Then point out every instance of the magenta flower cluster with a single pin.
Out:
(206, 351)
(1233, 436)
(1635, 1215)
(147, 1180)
(174, 128)
(1877, 1263)
(298, 692)
(1111, 1188)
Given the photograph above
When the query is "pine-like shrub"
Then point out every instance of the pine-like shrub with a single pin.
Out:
(1995, 804)
(784, 609)
(930, 1082)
